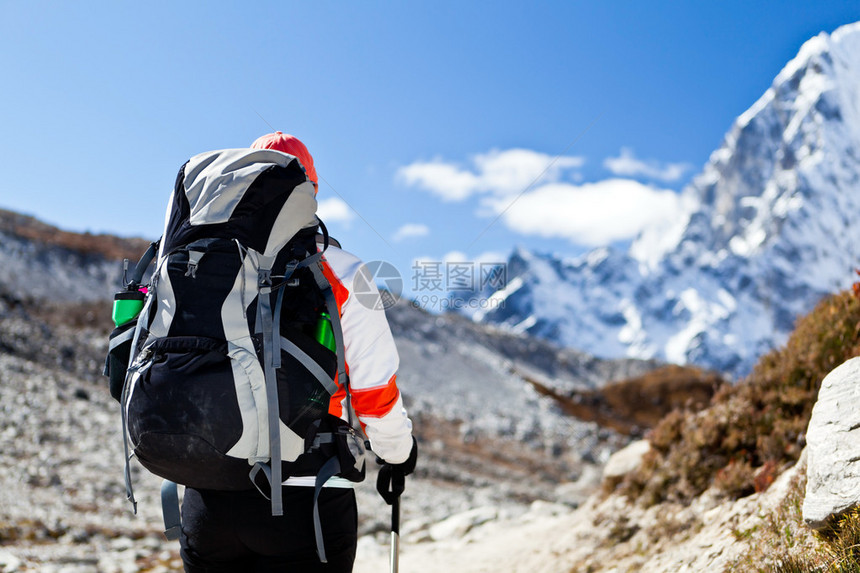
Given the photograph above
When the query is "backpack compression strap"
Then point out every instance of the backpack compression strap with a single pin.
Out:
(330, 469)
(266, 321)
(268, 325)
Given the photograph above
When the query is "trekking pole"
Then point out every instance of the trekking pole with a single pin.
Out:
(395, 535)
(390, 485)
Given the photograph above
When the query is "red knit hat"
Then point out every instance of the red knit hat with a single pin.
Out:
(292, 145)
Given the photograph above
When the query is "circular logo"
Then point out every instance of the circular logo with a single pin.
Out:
(382, 274)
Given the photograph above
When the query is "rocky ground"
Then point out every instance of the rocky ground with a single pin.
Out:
(606, 534)
(62, 506)
(62, 501)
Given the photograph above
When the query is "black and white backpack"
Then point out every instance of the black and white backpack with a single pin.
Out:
(228, 380)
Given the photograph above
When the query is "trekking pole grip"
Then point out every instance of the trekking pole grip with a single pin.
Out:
(391, 480)
(390, 483)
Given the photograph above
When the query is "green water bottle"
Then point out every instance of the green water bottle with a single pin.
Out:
(325, 333)
(127, 304)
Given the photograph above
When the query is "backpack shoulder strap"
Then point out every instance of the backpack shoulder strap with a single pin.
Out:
(266, 327)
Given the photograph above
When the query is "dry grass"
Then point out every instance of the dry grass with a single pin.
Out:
(783, 544)
(842, 544)
(107, 246)
(781, 541)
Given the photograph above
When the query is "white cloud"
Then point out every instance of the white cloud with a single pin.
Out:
(410, 230)
(512, 171)
(487, 257)
(591, 214)
(445, 180)
(335, 210)
(525, 190)
(628, 165)
(500, 173)
(455, 257)
(491, 257)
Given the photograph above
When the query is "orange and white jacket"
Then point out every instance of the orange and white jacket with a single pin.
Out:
(371, 359)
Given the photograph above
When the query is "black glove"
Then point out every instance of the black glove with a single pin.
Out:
(391, 480)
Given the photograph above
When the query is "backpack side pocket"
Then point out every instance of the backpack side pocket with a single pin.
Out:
(118, 356)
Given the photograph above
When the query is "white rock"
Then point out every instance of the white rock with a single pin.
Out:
(575, 493)
(9, 562)
(79, 569)
(833, 446)
(626, 459)
(460, 524)
(540, 509)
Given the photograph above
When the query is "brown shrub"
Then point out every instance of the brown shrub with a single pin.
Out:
(761, 420)
(668, 431)
(649, 398)
(634, 405)
(765, 476)
(736, 479)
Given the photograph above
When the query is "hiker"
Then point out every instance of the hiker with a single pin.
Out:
(246, 365)
(235, 531)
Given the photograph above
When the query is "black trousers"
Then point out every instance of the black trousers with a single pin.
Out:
(235, 531)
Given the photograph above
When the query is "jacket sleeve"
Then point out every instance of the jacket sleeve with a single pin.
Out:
(371, 358)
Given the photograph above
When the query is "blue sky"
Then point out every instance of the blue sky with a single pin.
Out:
(438, 128)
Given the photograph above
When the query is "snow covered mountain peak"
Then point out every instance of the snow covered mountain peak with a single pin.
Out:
(770, 226)
(810, 113)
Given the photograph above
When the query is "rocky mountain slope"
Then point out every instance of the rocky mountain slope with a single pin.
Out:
(44, 262)
(769, 227)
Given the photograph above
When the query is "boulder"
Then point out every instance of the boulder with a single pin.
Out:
(460, 524)
(9, 562)
(833, 447)
(626, 460)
